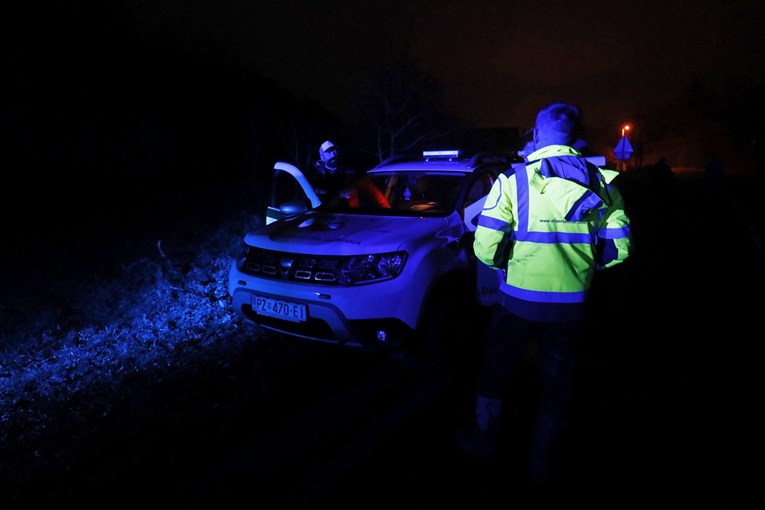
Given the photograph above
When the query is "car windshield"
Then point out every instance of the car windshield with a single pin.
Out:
(401, 194)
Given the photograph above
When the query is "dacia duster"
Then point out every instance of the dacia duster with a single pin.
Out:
(390, 264)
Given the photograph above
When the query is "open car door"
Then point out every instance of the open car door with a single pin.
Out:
(291, 193)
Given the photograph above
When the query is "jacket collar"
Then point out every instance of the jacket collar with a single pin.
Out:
(551, 151)
(566, 163)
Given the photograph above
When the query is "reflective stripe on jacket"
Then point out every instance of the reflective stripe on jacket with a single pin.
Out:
(550, 224)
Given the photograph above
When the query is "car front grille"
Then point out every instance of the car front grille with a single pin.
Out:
(316, 269)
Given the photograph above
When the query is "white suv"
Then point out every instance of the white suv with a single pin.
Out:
(398, 271)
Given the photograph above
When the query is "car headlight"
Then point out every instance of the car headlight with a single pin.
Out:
(367, 268)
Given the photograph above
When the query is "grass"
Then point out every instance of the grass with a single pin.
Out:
(77, 334)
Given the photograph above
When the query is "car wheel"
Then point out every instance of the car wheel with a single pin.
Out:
(445, 330)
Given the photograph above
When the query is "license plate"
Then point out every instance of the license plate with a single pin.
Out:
(294, 312)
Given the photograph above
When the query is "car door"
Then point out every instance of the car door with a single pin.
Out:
(475, 199)
(291, 193)
(487, 279)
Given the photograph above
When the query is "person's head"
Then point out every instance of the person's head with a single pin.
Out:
(328, 154)
(557, 124)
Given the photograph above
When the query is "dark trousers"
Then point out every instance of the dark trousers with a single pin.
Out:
(507, 345)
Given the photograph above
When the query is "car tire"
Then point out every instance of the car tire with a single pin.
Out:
(445, 327)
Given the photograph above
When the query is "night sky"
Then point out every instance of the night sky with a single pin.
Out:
(497, 61)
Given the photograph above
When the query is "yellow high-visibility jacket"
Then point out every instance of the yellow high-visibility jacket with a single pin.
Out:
(550, 224)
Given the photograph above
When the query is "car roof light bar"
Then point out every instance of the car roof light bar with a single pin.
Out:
(442, 154)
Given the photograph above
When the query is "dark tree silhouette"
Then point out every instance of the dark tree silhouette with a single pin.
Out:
(402, 111)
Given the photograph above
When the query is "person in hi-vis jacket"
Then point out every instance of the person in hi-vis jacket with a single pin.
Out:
(549, 225)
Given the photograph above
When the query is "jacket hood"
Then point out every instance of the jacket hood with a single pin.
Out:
(574, 181)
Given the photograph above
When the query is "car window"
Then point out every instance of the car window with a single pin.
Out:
(286, 188)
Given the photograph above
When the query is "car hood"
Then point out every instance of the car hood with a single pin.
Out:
(350, 234)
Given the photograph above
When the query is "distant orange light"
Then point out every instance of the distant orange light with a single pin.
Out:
(626, 127)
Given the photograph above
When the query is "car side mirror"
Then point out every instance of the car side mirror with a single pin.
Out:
(293, 207)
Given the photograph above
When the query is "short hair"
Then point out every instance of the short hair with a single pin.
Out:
(560, 120)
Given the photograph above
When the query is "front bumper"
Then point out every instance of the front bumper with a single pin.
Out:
(374, 316)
